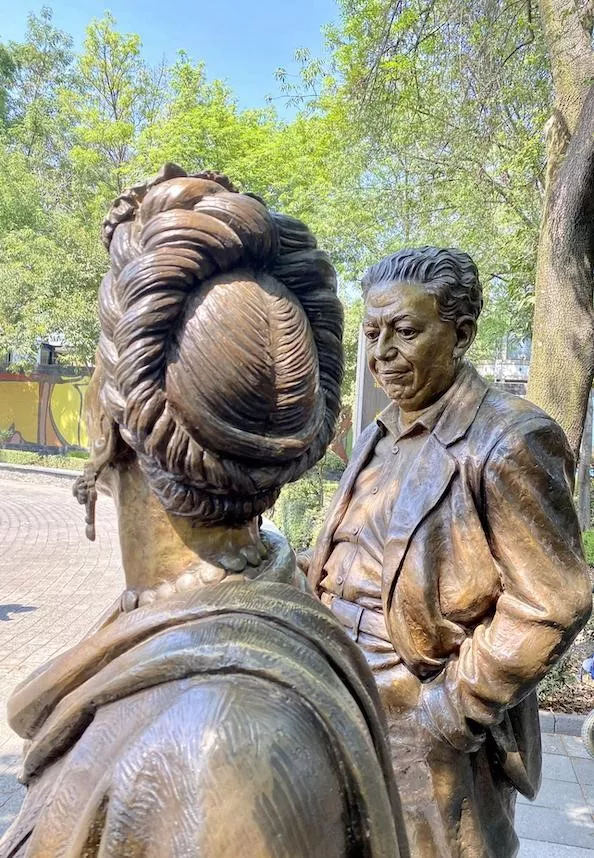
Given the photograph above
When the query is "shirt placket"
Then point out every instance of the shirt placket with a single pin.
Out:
(384, 473)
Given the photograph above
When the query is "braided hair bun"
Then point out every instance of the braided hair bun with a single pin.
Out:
(220, 346)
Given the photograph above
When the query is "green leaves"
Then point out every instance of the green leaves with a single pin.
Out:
(54, 298)
(422, 126)
(446, 104)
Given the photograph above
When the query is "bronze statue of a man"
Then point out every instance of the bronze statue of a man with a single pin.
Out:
(453, 555)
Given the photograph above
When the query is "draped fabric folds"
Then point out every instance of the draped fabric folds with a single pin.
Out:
(88, 709)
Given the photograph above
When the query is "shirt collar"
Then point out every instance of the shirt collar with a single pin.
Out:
(398, 424)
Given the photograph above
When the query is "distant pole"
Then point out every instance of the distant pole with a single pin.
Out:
(583, 481)
(369, 398)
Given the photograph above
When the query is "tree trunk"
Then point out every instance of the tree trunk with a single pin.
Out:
(583, 474)
(562, 364)
(338, 445)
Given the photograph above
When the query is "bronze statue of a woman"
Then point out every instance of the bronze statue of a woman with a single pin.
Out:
(217, 709)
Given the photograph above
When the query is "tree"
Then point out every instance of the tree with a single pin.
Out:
(113, 121)
(303, 168)
(562, 366)
(35, 72)
(448, 101)
(115, 96)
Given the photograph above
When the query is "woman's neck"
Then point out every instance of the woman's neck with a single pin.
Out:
(158, 548)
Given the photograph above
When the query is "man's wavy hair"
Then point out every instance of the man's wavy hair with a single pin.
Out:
(220, 356)
(448, 274)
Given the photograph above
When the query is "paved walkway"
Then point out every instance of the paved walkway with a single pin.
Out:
(54, 584)
(560, 823)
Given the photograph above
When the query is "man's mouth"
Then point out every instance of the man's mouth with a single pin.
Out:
(393, 374)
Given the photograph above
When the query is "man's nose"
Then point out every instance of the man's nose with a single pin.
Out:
(385, 347)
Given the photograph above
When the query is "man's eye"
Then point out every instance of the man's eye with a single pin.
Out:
(407, 333)
(371, 334)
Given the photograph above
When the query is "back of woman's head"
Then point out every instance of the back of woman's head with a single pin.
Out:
(220, 352)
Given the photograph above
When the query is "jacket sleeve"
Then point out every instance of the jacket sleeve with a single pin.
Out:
(545, 586)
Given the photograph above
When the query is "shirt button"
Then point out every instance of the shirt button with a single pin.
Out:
(374, 490)
(395, 449)
(356, 530)
(339, 579)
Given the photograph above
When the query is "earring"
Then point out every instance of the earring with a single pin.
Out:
(84, 488)
(85, 492)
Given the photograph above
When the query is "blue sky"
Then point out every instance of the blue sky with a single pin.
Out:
(242, 41)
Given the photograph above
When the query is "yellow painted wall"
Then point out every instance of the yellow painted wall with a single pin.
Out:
(66, 411)
(19, 408)
(46, 409)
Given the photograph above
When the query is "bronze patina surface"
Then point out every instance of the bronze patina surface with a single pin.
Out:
(453, 556)
(218, 710)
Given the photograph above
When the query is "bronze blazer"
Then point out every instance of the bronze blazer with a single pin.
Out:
(484, 580)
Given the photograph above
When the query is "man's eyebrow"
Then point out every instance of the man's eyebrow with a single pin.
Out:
(386, 316)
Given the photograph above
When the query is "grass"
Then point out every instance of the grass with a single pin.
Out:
(589, 546)
(23, 457)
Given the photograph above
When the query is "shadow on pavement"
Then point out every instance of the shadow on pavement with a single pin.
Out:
(12, 792)
(5, 610)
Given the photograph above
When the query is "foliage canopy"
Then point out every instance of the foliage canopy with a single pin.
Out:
(423, 125)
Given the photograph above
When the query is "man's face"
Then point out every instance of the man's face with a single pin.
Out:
(411, 352)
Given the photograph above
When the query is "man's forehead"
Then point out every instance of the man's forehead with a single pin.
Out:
(397, 297)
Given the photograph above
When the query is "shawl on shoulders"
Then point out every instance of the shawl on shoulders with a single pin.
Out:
(266, 630)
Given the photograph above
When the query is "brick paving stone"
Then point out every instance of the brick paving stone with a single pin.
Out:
(566, 796)
(538, 849)
(558, 768)
(584, 770)
(553, 744)
(575, 747)
(570, 828)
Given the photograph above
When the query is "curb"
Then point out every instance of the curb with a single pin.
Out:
(61, 473)
(561, 722)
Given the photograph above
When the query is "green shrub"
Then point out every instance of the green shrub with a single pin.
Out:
(70, 463)
(19, 457)
(562, 677)
(589, 546)
(300, 510)
(332, 464)
(24, 457)
(561, 689)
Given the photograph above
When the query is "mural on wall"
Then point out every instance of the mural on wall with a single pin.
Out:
(43, 408)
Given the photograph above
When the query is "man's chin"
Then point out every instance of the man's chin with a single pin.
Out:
(400, 394)
(405, 397)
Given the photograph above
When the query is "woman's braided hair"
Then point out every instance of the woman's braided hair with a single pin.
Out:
(220, 351)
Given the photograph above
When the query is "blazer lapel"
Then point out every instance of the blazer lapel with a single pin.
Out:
(361, 455)
(431, 474)
(425, 484)
(423, 487)
(462, 408)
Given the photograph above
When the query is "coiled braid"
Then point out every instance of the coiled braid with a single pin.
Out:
(220, 350)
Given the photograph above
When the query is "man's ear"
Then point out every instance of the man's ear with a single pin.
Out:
(465, 334)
